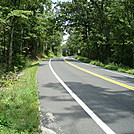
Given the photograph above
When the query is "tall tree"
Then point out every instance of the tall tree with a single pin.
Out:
(28, 28)
(106, 27)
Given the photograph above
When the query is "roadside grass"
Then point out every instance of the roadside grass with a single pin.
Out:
(112, 66)
(19, 113)
(49, 56)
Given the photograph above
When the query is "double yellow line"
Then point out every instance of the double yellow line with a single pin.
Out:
(99, 76)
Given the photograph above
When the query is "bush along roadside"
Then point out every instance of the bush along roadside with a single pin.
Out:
(19, 112)
(112, 66)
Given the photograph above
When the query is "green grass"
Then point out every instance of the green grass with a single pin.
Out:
(97, 63)
(112, 66)
(49, 56)
(19, 112)
(84, 59)
(130, 71)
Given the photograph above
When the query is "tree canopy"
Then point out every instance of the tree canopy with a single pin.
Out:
(27, 28)
(102, 29)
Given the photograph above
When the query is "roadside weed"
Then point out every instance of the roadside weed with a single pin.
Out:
(19, 105)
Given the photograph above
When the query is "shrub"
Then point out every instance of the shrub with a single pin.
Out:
(122, 70)
(131, 71)
(97, 63)
(19, 105)
(44, 56)
(112, 66)
(19, 61)
(76, 56)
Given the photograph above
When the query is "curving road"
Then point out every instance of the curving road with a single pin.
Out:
(79, 98)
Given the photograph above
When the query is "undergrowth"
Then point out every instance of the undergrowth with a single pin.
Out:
(112, 66)
(7, 78)
(19, 104)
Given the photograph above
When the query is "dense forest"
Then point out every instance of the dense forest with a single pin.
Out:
(28, 28)
(101, 30)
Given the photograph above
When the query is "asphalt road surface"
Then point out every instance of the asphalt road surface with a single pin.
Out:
(79, 98)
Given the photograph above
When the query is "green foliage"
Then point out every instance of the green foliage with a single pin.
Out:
(28, 28)
(131, 71)
(19, 62)
(76, 56)
(44, 56)
(19, 13)
(51, 54)
(102, 30)
(97, 63)
(8, 79)
(84, 59)
(112, 66)
(19, 105)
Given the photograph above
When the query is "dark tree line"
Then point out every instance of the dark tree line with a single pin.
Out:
(27, 29)
(101, 29)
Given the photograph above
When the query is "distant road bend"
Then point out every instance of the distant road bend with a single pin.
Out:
(85, 99)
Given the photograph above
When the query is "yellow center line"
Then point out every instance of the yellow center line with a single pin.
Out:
(100, 76)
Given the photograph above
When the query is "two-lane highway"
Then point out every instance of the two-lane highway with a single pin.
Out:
(85, 99)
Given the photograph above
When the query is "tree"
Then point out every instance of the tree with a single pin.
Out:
(28, 28)
(106, 28)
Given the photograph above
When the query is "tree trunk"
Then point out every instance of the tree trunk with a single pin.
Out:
(4, 43)
(11, 48)
(21, 43)
(133, 58)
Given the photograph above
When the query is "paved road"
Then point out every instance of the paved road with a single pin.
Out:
(109, 94)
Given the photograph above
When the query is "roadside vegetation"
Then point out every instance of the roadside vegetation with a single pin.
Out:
(101, 30)
(19, 104)
(28, 29)
(112, 66)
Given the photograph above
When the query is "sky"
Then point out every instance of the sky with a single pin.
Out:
(65, 37)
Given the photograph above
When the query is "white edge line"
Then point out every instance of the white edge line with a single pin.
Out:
(118, 73)
(102, 125)
(111, 71)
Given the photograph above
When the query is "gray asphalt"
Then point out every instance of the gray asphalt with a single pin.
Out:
(112, 103)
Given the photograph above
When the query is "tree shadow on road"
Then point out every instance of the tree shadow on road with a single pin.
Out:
(124, 78)
(111, 106)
